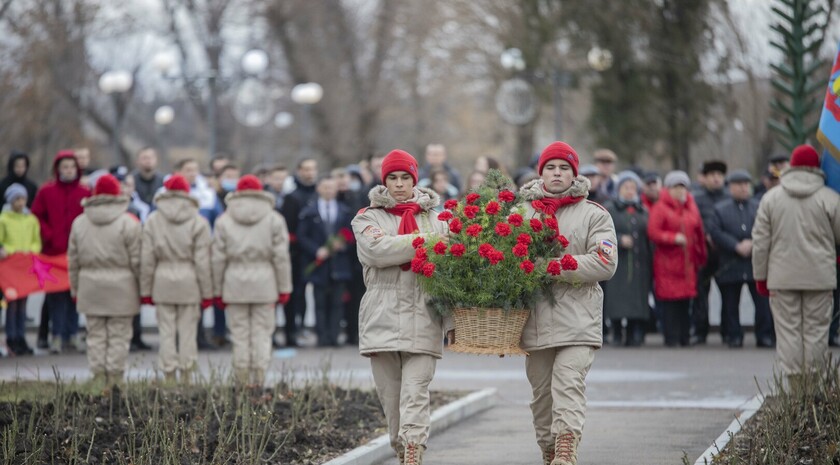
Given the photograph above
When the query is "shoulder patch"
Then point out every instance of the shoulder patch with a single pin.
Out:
(597, 205)
(361, 210)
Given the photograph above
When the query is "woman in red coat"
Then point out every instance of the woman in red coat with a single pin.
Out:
(676, 230)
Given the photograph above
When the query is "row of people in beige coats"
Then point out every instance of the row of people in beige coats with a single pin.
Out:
(173, 263)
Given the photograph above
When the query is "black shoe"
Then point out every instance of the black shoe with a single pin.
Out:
(23, 348)
(834, 341)
(766, 342)
(736, 342)
(142, 345)
(204, 345)
(698, 340)
(43, 344)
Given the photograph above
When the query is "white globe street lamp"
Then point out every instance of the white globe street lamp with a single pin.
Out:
(283, 119)
(600, 59)
(115, 83)
(306, 95)
(512, 60)
(164, 62)
(164, 115)
(255, 61)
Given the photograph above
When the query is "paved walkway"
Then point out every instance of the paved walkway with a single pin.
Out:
(646, 406)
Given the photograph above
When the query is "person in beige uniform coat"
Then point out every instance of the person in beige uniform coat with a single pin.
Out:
(793, 255)
(562, 333)
(251, 273)
(401, 335)
(175, 275)
(103, 257)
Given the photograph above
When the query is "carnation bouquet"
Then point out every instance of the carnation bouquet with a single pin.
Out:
(496, 257)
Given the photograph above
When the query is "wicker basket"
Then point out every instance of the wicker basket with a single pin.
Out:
(488, 331)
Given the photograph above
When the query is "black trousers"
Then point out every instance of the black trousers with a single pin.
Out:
(676, 323)
(730, 295)
(329, 310)
(700, 304)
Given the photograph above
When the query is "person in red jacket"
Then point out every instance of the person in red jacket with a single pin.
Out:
(676, 229)
(56, 205)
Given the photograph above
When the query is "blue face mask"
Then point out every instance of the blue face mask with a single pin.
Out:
(228, 185)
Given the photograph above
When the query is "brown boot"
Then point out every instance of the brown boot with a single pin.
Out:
(548, 455)
(565, 449)
(414, 454)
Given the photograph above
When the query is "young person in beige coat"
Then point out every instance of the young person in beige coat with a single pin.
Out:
(401, 335)
(251, 274)
(175, 275)
(562, 333)
(103, 257)
(794, 238)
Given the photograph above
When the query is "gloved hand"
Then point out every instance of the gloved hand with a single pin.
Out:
(146, 301)
(205, 303)
(283, 299)
(761, 288)
(218, 302)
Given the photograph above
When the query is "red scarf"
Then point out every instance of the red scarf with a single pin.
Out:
(408, 225)
(554, 204)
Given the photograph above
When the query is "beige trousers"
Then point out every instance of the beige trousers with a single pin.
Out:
(557, 378)
(177, 322)
(108, 338)
(402, 384)
(251, 327)
(802, 320)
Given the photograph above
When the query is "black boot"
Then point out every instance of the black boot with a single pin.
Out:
(616, 333)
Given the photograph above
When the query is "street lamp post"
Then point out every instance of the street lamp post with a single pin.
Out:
(164, 116)
(306, 95)
(114, 84)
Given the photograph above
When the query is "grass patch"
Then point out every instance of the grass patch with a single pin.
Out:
(211, 422)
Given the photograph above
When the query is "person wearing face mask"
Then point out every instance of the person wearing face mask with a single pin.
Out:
(57, 204)
(228, 177)
(401, 335)
(676, 229)
(626, 294)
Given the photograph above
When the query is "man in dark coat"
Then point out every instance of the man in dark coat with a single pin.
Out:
(711, 191)
(323, 233)
(731, 231)
(18, 169)
(147, 180)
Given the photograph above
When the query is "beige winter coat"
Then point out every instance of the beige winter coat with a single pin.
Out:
(175, 261)
(795, 233)
(575, 317)
(393, 315)
(250, 253)
(103, 257)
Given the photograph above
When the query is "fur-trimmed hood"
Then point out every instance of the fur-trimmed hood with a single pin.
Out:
(176, 206)
(249, 207)
(104, 209)
(534, 190)
(802, 181)
(425, 197)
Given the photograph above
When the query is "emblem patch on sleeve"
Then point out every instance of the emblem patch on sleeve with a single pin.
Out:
(373, 232)
(606, 250)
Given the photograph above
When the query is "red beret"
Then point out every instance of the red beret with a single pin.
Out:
(249, 182)
(399, 160)
(176, 182)
(107, 184)
(559, 151)
(805, 155)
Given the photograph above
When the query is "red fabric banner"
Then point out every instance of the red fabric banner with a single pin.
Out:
(22, 274)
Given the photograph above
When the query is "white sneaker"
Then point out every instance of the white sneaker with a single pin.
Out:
(55, 345)
(77, 343)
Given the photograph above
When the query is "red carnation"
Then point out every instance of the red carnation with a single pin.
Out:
(474, 230)
(421, 252)
(445, 215)
(520, 250)
(428, 270)
(503, 229)
(492, 207)
(536, 225)
(440, 248)
(527, 266)
(515, 219)
(507, 196)
(568, 262)
(348, 236)
(553, 268)
(457, 249)
(495, 257)
(418, 242)
(523, 239)
(485, 249)
(551, 222)
(417, 265)
(471, 210)
(450, 204)
(563, 241)
(538, 205)
(472, 197)
(455, 226)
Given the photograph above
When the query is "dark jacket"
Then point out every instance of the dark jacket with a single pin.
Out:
(31, 187)
(293, 205)
(56, 205)
(626, 294)
(147, 188)
(732, 223)
(313, 233)
(454, 175)
(706, 201)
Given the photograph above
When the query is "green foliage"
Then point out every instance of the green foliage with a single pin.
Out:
(472, 279)
(799, 79)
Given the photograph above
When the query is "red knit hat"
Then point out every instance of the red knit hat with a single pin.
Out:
(805, 155)
(559, 151)
(249, 182)
(107, 184)
(176, 182)
(399, 160)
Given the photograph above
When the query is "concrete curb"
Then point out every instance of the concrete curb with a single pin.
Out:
(379, 449)
(748, 409)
